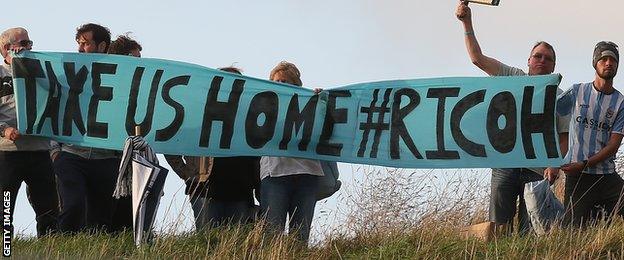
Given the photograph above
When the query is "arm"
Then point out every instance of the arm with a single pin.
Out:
(255, 175)
(552, 173)
(178, 166)
(205, 168)
(487, 64)
(563, 143)
(609, 150)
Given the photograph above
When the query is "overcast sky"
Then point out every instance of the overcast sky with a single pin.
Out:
(333, 43)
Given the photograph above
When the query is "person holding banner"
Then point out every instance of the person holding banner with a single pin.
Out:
(124, 45)
(93, 38)
(86, 176)
(122, 213)
(23, 158)
(289, 185)
(507, 185)
(593, 187)
(227, 196)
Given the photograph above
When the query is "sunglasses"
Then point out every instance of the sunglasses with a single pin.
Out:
(24, 43)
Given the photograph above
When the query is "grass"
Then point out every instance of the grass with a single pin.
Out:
(250, 242)
(232, 243)
(389, 215)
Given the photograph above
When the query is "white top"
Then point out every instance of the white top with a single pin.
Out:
(284, 166)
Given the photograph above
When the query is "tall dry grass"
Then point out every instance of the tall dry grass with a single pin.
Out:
(236, 242)
(387, 214)
(386, 201)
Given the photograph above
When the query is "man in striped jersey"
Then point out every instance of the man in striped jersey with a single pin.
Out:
(593, 188)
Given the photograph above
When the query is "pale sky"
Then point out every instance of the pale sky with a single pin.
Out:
(334, 43)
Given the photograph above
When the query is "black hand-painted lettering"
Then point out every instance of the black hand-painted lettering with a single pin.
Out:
(146, 125)
(171, 130)
(54, 99)
(441, 94)
(297, 118)
(543, 123)
(502, 104)
(220, 111)
(266, 103)
(76, 83)
(465, 104)
(29, 70)
(378, 126)
(332, 116)
(100, 93)
(398, 130)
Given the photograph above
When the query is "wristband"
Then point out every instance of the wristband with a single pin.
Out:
(584, 165)
(469, 33)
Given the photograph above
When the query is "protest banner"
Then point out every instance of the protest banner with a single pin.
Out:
(96, 100)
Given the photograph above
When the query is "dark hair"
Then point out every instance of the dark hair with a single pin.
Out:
(232, 69)
(100, 33)
(550, 47)
(123, 45)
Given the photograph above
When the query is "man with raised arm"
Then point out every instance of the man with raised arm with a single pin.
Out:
(507, 185)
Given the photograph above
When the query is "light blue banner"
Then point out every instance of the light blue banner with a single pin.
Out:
(96, 100)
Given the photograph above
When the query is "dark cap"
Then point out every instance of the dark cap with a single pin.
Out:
(604, 49)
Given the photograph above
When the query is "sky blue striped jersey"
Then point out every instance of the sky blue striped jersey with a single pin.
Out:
(594, 117)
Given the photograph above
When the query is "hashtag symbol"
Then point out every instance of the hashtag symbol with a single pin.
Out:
(377, 126)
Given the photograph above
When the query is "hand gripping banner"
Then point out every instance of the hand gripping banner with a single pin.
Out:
(96, 100)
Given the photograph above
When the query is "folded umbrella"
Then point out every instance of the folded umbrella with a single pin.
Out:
(144, 180)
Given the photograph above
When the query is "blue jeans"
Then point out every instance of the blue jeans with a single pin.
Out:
(293, 195)
(507, 186)
(211, 213)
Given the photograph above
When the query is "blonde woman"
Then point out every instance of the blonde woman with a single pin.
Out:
(289, 185)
